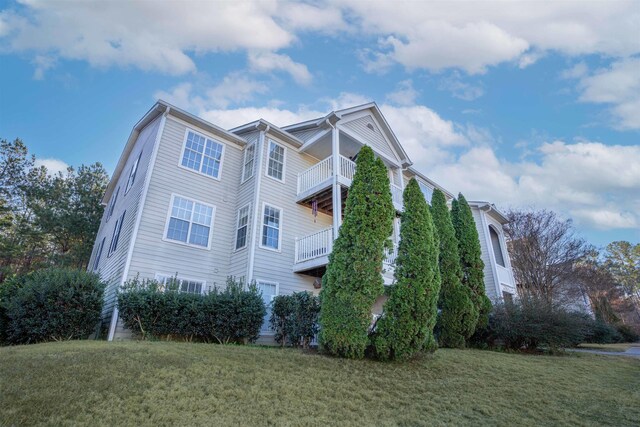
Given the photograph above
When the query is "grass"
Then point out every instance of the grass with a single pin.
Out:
(616, 348)
(162, 383)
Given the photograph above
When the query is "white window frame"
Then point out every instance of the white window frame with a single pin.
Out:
(280, 230)
(115, 236)
(112, 204)
(277, 285)
(421, 185)
(203, 283)
(132, 174)
(246, 177)
(246, 240)
(284, 161)
(199, 172)
(98, 255)
(502, 247)
(178, 242)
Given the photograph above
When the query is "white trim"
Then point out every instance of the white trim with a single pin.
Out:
(244, 162)
(321, 134)
(246, 239)
(277, 285)
(280, 228)
(284, 161)
(359, 139)
(199, 172)
(232, 138)
(494, 270)
(364, 113)
(166, 225)
(136, 226)
(256, 198)
(500, 239)
(134, 167)
(178, 277)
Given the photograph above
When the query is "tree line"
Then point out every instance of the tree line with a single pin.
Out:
(46, 219)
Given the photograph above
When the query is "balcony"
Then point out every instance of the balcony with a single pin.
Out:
(316, 183)
(504, 276)
(312, 252)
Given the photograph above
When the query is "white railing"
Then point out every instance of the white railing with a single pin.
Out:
(391, 255)
(314, 245)
(396, 195)
(315, 175)
(504, 275)
(347, 168)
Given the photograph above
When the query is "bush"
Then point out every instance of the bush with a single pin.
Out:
(294, 318)
(533, 323)
(601, 332)
(627, 334)
(50, 305)
(152, 310)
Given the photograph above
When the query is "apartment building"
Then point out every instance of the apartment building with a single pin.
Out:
(258, 202)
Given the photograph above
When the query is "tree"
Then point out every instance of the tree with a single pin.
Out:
(622, 259)
(458, 316)
(596, 282)
(409, 317)
(353, 279)
(544, 250)
(470, 257)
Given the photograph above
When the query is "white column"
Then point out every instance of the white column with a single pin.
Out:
(337, 192)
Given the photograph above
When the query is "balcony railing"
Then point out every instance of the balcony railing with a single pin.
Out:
(347, 168)
(315, 175)
(390, 256)
(314, 245)
(396, 196)
(504, 275)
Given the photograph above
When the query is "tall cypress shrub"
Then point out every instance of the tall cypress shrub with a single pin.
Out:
(353, 279)
(471, 258)
(458, 315)
(409, 317)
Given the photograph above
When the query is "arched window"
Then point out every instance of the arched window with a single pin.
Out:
(497, 248)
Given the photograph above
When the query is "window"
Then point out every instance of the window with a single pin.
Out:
(132, 174)
(275, 169)
(112, 204)
(249, 157)
(186, 286)
(190, 222)
(269, 291)
(242, 227)
(96, 261)
(202, 155)
(497, 248)
(426, 191)
(271, 227)
(116, 234)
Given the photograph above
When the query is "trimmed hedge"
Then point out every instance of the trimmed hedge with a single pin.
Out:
(152, 310)
(294, 318)
(50, 305)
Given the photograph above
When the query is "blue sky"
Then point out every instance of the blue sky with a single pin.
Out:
(519, 103)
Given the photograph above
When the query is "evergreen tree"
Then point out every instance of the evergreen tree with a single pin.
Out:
(458, 316)
(406, 326)
(353, 279)
(471, 257)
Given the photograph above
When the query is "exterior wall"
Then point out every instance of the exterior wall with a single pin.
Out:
(111, 268)
(487, 254)
(504, 286)
(374, 137)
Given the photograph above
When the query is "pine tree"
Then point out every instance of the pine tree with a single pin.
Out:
(458, 316)
(471, 257)
(406, 326)
(353, 279)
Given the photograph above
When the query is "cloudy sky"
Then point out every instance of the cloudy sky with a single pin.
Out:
(520, 103)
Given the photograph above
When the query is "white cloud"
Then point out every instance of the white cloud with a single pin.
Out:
(269, 61)
(278, 116)
(404, 94)
(54, 166)
(42, 64)
(460, 89)
(618, 86)
(577, 71)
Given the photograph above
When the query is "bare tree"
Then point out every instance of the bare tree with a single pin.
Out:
(596, 282)
(543, 250)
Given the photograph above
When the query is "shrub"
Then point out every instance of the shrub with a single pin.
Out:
(533, 323)
(353, 279)
(601, 332)
(294, 318)
(51, 305)
(627, 334)
(406, 326)
(458, 316)
(152, 310)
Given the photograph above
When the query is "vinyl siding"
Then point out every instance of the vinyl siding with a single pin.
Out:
(151, 253)
(487, 255)
(374, 137)
(111, 268)
(305, 135)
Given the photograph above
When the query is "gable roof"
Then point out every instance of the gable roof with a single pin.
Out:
(262, 124)
(490, 209)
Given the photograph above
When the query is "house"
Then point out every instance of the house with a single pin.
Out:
(258, 202)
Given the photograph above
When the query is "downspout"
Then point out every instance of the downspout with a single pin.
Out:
(256, 200)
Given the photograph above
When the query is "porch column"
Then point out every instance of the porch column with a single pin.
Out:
(337, 192)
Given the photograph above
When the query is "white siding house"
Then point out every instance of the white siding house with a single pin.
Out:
(258, 202)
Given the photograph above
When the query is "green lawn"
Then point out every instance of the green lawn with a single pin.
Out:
(159, 383)
(620, 347)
